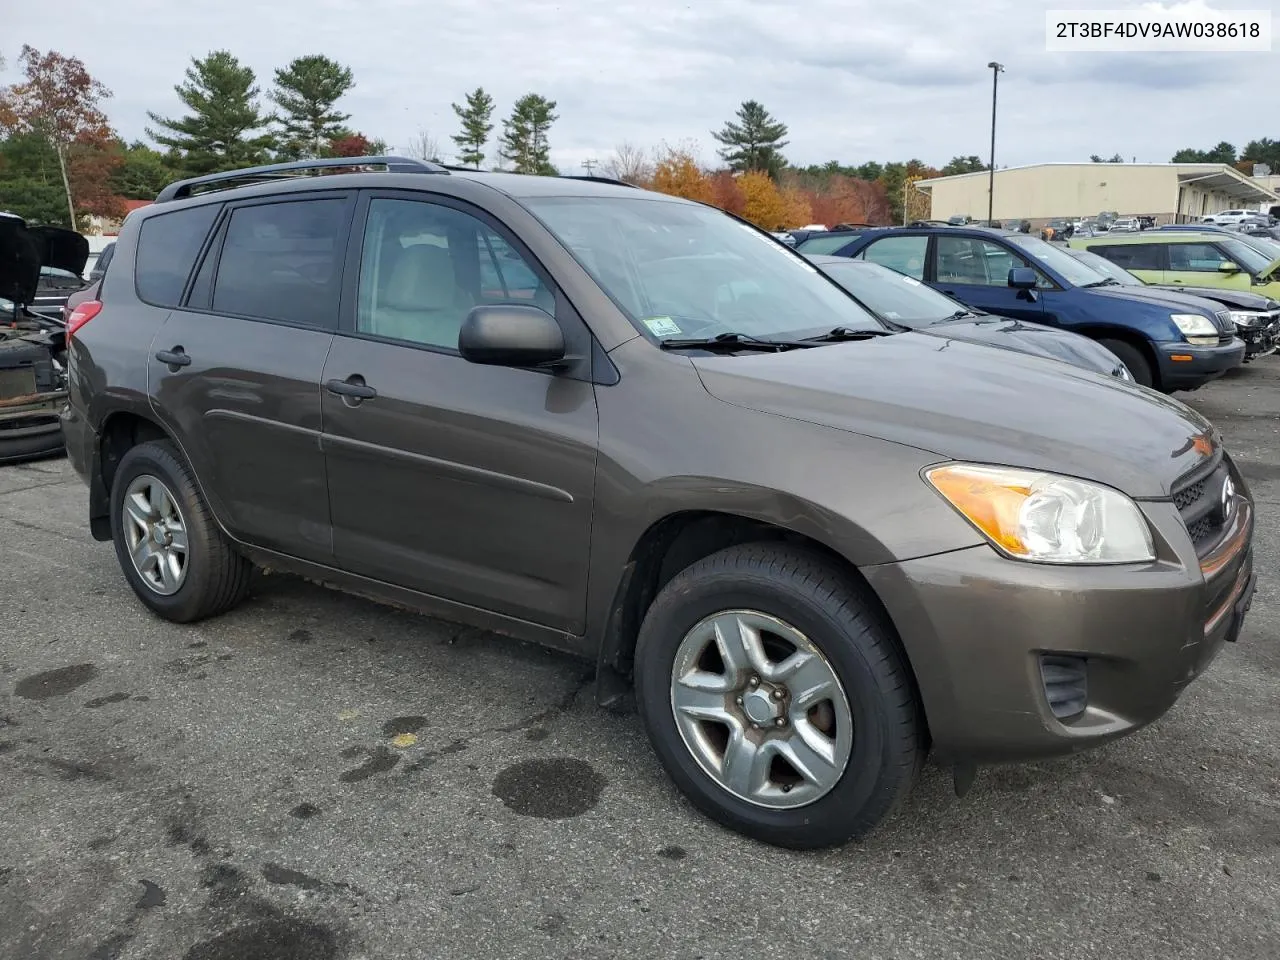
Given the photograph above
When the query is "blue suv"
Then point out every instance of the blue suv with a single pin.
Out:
(1168, 340)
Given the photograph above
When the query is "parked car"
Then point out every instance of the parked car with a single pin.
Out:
(658, 440)
(62, 255)
(1257, 318)
(32, 353)
(1227, 216)
(1181, 258)
(1168, 341)
(1125, 225)
(904, 303)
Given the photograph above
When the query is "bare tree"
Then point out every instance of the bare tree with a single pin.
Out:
(424, 146)
(629, 163)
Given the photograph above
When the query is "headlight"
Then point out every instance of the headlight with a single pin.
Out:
(1043, 517)
(1196, 328)
(1247, 318)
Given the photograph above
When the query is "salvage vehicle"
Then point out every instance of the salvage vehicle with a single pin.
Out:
(814, 552)
(1230, 261)
(904, 303)
(1168, 341)
(1257, 318)
(32, 353)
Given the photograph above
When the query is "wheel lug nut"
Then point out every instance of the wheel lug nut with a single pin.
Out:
(780, 722)
(755, 681)
(738, 701)
(778, 694)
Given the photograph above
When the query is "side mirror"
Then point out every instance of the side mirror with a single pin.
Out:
(511, 335)
(1022, 278)
(1228, 267)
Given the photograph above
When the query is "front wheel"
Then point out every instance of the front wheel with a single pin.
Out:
(1134, 359)
(776, 698)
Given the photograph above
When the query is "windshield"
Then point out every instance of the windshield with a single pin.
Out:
(678, 270)
(827, 244)
(1250, 258)
(895, 296)
(1105, 267)
(1265, 245)
(1073, 271)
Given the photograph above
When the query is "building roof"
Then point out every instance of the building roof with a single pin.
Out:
(1217, 176)
(132, 205)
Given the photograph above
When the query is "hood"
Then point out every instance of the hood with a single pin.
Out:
(968, 402)
(1272, 272)
(19, 262)
(1172, 300)
(1233, 299)
(1035, 339)
(61, 248)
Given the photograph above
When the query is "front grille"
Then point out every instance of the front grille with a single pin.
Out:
(1199, 501)
(1066, 685)
(1189, 495)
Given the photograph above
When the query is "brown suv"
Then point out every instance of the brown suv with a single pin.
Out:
(638, 429)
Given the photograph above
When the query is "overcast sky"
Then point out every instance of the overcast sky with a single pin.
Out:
(855, 80)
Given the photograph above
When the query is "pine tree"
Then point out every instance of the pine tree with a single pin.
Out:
(754, 142)
(306, 91)
(476, 127)
(218, 133)
(524, 136)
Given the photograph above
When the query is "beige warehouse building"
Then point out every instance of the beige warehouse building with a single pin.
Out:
(1171, 192)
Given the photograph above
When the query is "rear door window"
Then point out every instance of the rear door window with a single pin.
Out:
(973, 261)
(282, 261)
(904, 254)
(168, 245)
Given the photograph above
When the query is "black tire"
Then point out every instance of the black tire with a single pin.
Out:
(1134, 359)
(830, 608)
(217, 578)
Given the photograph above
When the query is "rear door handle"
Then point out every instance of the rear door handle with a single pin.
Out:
(354, 387)
(174, 358)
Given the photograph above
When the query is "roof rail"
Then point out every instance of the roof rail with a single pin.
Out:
(275, 171)
(594, 179)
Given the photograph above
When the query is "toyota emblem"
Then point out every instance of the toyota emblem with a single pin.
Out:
(1228, 498)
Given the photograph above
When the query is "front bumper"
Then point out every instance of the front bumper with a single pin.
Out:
(1261, 340)
(1196, 365)
(976, 626)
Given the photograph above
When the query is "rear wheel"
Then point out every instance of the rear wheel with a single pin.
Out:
(168, 545)
(776, 699)
(1134, 359)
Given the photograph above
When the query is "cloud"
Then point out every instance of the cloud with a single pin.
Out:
(855, 80)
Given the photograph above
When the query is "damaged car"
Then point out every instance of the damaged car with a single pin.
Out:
(32, 349)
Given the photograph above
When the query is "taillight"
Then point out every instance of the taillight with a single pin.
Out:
(82, 315)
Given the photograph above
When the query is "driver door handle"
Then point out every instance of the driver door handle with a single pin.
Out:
(174, 358)
(354, 387)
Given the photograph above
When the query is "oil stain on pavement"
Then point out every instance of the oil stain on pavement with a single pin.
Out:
(551, 789)
(378, 760)
(277, 939)
(55, 683)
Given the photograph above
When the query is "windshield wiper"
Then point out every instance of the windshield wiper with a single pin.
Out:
(845, 333)
(1108, 282)
(958, 315)
(734, 341)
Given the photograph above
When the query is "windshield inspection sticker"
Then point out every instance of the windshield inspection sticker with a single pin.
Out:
(661, 326)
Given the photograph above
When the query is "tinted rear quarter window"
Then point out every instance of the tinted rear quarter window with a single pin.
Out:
(168, 245)
(280, 261)
(1132, 256)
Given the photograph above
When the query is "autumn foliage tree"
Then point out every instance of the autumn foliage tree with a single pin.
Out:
(59, 101)
(679, 174)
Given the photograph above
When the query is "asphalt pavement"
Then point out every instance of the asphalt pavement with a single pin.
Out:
(314, 777)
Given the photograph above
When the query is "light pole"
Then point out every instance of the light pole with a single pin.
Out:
(996, 69)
